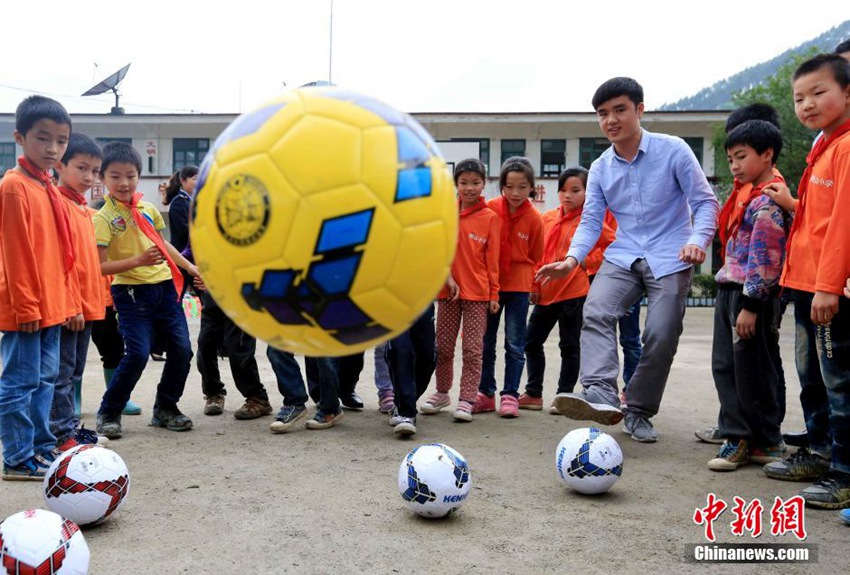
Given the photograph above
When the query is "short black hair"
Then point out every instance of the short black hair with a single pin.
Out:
(843, 48)
(517, 164)
(574, 172)
(35, 108)
(471, 166)
(620, 86)
(756, 111)
(120, 152)
(81, 145)
(838, 65)
(757, 134)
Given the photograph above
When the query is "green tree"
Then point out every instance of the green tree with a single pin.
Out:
(797, 139)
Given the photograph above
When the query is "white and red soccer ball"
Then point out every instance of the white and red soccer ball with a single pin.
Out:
(589, 461)
(86, 484)
(42, 543)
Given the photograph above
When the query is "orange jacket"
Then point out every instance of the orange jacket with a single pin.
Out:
(33, 283)
(526, 245)
(594, 258)
(819, 253)
(87, 267)
(476, 264)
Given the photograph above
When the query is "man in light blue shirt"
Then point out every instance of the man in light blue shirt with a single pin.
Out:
(667, 216)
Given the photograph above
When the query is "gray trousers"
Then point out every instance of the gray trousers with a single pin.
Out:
(612, 293)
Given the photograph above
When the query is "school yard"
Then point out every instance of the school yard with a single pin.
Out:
(230, 497)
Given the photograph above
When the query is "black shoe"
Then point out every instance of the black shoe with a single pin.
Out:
(157, 356)
(798, 439)
(352, 401)
(170, 418)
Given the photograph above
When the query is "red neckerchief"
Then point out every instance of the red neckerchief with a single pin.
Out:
(508, 221)
(150, 232)
(63, 224)
(72, 195)
(471, 210)
(551, 248)
(819, 148)
(733, 211)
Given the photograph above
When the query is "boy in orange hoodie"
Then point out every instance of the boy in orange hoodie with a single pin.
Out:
(37, 294)
(816, 268)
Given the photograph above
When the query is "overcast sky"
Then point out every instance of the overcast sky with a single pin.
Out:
(421, 56)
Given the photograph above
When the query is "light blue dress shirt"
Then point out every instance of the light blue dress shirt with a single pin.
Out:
(653, 198)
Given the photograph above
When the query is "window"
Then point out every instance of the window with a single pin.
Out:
(553, 157)
(591, 148)
(483, 148)
(512, 148)
(8, 160)
(103, 141)
(189, 151)
(695, 145)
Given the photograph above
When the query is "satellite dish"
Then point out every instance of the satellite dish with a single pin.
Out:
(110, 83)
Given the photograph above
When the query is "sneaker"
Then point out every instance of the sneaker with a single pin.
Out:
(709, 435)
(386, 401)
(157, 357)
(463, 412)
(508, 406)
(109, 425)
(435, 403)
(622, 398)
(287, 417)
(324, 421)
(732, 455)
(830, 492)
(525, 401)
(797, 439)
(395, 418)
(29, 470)
(640, 428)
(214, 405)
(351, 401)
(88, 437)
(47, 458)
(170, 418)
(766, 454)
(589, 404)
(553, 409)
(68, 444)
(803, 465)
(845, 516)
(131, 408)
(484, 403)
(253, 408)
(405, 426)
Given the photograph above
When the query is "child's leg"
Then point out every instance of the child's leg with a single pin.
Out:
(42, 399)
(487, 386)
(178, 349)
(209, 340)
(569, 332)
(813, 394)
(543, 319)
(241, 353)
(731, 421)
(834, 355)
(401, 359)
(516, 321)
(328, 384)
(383, 383)
(474, 325)
(73, 348)
(423, 336)
(629, 326)
(290, 383)
(448, 325)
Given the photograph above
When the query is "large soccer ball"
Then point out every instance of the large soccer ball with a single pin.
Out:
(42, 543)
(86, 484)
(589, 461)
(324, 222)
(434, 480)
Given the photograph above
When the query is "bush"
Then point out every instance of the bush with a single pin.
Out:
(703, 285)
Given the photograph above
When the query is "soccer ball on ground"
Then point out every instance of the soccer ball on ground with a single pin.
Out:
(434, 480)
(86, 484)
(589, 461)
(41, 542)
(324, 222)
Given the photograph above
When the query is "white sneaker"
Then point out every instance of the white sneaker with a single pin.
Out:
(405, 426)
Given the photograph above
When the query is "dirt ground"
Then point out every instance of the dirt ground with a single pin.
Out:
(230, 497)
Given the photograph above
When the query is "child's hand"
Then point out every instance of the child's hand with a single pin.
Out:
(454, 290)
(150, 257)
(847, 289)
(533, 298)
(75, 323)
(29, 327)
(824, 307)
(780, 194)
(745, 325)
(691, 254)
(198, 282)
(494, 307)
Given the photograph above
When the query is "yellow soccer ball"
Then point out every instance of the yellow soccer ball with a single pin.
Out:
(324, 222)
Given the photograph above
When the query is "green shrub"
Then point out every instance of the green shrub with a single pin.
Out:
(703, 285)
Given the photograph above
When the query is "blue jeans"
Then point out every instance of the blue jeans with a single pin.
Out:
(823, 366)
(412, 357)
(515, 305)
(143, 309)
(290, 383)
(630, 341)
(383, 383)
(30, 368)
(73, 350)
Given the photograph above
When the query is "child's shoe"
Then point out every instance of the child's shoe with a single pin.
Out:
(85, 436)
(405, 426)
(287, 417)
(803, 465)
(29, 470)
(845, 516)
(436, 402)
(170, 418)
(553, 409)
(325, 420)
(132, 408)
(68, 444)
(508, 406)
(253, 408)
(832, 491)
(214, 405)
(386, 401)
(109, 425)
(732, 455)
(484, 403)
(463, 411)
(765, 455)
(533, 403)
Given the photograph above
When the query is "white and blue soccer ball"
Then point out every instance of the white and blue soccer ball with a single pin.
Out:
(589, 461)
(434, 480)
(40, 541)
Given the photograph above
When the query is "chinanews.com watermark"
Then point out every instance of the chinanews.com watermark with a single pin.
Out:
(785, 517)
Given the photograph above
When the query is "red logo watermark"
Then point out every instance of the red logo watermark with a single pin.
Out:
(785, 516)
